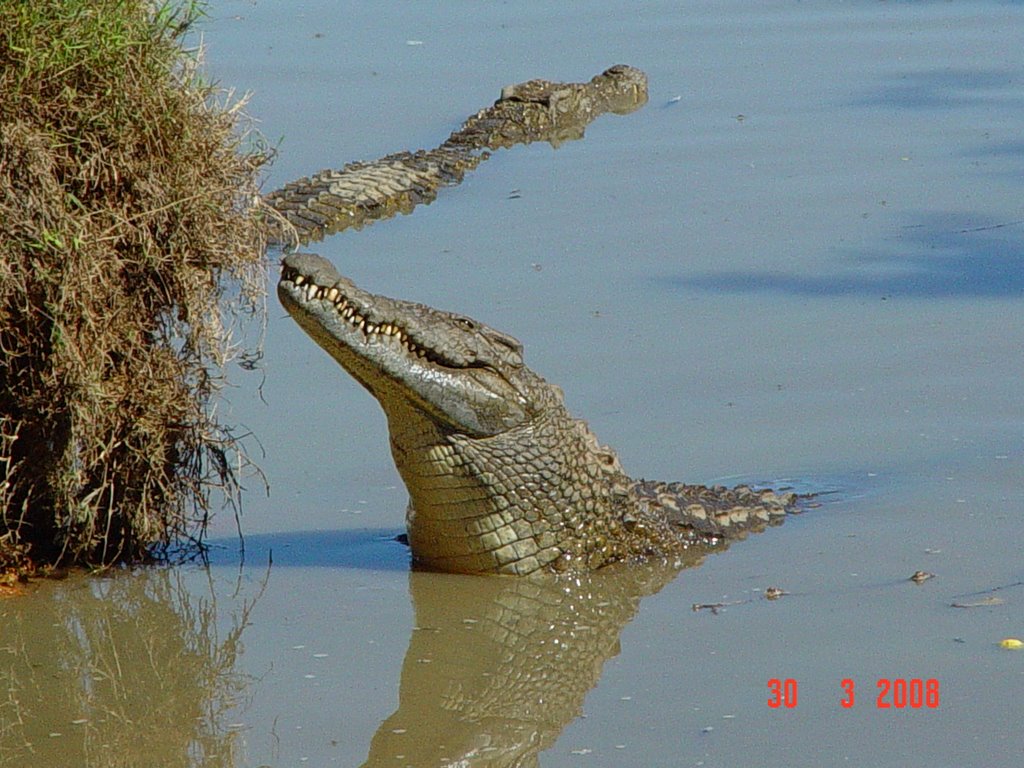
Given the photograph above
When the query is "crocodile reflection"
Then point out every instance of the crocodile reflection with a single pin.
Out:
(498, 667)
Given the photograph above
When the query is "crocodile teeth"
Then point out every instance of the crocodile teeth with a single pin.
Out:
(298, 280)
(349, 313)
(311, 291)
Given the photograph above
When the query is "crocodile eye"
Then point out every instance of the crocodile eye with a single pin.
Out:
(465, 323)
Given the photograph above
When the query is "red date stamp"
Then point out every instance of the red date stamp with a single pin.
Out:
(892, 693)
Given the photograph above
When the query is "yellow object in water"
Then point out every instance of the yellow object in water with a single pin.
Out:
(1011, 643)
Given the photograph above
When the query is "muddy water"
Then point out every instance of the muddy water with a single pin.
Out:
(800, 262)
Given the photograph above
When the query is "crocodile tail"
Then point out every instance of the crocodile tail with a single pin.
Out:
(710, 513)
(331, 201)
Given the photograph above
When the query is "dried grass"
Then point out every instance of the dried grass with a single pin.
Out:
(129, 251)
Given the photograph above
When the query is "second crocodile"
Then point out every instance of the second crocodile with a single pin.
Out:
(501, 478)
(537, 110)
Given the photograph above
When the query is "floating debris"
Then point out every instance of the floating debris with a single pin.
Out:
(984, 603)
(920, 577)
(1011, 644)
(715, 607)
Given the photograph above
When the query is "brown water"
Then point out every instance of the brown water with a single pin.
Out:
(801, 262)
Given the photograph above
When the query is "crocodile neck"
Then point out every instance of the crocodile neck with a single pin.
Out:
(538, 495)
(501, 478)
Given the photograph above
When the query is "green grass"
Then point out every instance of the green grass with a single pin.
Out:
(126, 190)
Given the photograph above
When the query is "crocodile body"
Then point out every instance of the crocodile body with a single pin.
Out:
(537, 110)
(501, 478)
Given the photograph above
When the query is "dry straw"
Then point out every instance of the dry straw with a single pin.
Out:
(129, 251)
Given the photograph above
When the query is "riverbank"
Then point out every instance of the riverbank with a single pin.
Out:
(130, 250)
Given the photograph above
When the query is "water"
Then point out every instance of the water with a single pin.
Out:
(801, 261)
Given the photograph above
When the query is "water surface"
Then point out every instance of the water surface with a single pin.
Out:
(800, 262)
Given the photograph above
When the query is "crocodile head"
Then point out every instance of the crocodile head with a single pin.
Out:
(458, 373)
(498, 473)
(620, 89)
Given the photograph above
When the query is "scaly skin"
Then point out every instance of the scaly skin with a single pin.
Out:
(500, 477)
(537, 110)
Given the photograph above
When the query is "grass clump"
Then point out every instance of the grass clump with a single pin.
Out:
(129, 248)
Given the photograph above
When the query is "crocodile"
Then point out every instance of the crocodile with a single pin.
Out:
(362, 192)
(501, 478)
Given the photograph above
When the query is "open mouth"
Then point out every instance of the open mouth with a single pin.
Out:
(359, 318)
